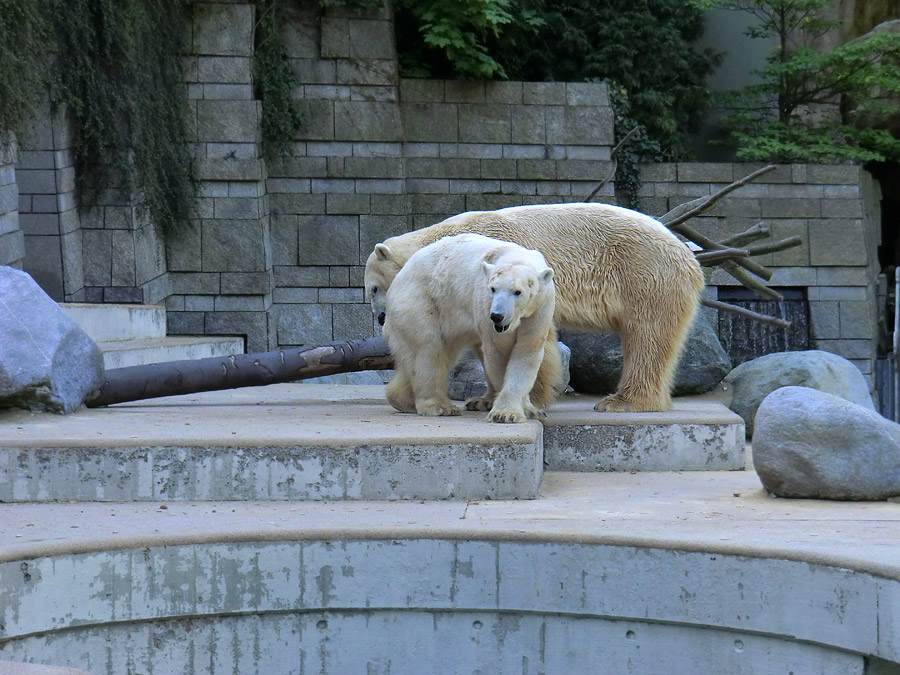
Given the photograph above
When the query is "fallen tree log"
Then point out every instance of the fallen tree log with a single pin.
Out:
(136, 383)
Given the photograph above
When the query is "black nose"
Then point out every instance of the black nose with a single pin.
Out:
(381, 319)
(496, 318)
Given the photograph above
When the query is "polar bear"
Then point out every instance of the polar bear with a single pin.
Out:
(469, 290)
(616, 269)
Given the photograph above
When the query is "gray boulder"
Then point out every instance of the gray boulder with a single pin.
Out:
(47, 362)
(466, 379)
(597, 361)
(754, 380)
(817, 445)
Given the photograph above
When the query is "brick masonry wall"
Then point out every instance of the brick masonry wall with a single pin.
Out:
(12, 239)
(835, 209)
(45, 175)
(379, 156)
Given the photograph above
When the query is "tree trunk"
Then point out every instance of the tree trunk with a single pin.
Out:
(136, 383)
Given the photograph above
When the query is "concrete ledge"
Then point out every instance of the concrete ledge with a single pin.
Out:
(138, 352)
(202, 448)
(298, 442)
(694, 436)
(107, 322)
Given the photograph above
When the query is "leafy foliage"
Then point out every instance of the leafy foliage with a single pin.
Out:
(645, 47)
(273, 79)
(813, 105)
(639, 149)
(462, 39)
(127, 95)
(25, 30)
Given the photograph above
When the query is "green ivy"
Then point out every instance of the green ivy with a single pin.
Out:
(273, 80)
(127, 94)
(26, 32)
(639, 149)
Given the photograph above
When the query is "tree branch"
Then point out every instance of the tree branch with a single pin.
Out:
(712, 258)
(612, 157)
(694, 208)
(762, 318)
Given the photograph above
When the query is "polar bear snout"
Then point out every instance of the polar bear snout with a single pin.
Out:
(380, 318)
(500, 323)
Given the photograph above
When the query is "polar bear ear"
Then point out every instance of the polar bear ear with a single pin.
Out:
(488, 268)
(382, 252)
(546, 275)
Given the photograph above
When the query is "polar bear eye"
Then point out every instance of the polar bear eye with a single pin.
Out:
(518, 293)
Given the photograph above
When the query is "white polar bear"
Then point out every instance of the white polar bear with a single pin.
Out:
(472, 291)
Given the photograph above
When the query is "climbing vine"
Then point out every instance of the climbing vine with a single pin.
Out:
(126, 93)
(25, 32)
(273, 79)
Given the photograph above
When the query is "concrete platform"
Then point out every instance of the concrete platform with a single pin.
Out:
(281, 442)
(300, 441)
(605, 573)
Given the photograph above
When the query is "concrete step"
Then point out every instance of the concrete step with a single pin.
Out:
(325, 442)
(108, 322)
(122, 353)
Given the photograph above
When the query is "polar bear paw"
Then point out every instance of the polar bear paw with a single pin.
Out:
(535, 413)
(507, 415)
(483, 403)
(434, 409)
(619, 403)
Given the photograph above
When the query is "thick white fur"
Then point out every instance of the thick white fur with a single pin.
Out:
(616, 269)
(448, 296)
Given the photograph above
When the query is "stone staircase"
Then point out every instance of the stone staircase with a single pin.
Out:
(135, 335)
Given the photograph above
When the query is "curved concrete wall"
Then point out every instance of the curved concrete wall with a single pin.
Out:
(414, 605)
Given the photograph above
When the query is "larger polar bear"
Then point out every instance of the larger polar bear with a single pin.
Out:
(616, 269)
(472, 291)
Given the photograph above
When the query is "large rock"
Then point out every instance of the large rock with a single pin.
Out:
(812, 444)
(754, 380)
(466, 379)
(597, 361)
(47, 362)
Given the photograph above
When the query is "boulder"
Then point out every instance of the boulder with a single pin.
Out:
(752, 381)
(466, 378)
(47, 362)
(812, 444)
(597, 361)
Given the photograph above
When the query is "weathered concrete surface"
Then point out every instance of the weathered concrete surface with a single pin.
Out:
(297, 441)
(694, 436)
(688, 570)
(110, 322)
(275, 442)
(124, 353)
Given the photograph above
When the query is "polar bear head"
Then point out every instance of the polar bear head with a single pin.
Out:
(517, 289)
(381, 268)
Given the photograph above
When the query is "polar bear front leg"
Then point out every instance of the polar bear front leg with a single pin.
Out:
(432, 365)
(486, 401)
(512, 403)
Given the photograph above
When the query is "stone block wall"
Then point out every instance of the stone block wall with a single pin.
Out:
(220, 265)
(279, 249)
(48, 214)
(12, 240)
(836, 211)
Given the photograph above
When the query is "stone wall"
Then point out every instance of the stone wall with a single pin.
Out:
(12, 240)
(835, 209)
(278, 251)
(45, 174)
(220, 265)
(108, 252)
